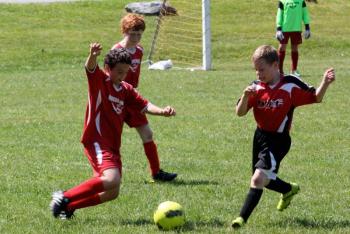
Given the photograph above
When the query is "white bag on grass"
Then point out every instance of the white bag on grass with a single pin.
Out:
(161, 65)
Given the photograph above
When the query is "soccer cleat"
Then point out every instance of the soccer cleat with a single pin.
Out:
(58, 204)
(164, 176)
(66, 215)
(295, 73)
(238, 223)
(287, 197)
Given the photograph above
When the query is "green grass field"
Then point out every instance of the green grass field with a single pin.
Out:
(43, 98)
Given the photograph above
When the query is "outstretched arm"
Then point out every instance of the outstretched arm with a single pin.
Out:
(155, 110)
(328, 78)
(91, 61)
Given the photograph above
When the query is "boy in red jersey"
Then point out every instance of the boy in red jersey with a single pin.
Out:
(109, 95)
(132, 27)
(273, 98)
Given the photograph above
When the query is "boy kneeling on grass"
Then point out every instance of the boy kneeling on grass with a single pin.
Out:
(108, 96)
(273, 98)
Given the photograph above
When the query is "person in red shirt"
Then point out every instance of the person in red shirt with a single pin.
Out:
(108, 97)
(273, 98)
(132, 27)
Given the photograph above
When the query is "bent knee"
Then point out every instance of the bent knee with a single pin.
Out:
(257, 181)
(146, 135)
(109, 195)
(113, 194)
(111, 183)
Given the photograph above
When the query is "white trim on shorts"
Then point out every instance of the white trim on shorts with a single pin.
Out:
(269, 173)
(98, 152)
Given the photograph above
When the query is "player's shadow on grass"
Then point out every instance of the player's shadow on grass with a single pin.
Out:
(180, 182)
(326, 223)
(213, 223)
(189, 225)
(137, 222)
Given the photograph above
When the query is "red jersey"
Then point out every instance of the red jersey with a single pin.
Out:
(136, 54)
(273, 106)
(104, 116)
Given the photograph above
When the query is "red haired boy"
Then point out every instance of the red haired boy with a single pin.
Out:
(132, 27)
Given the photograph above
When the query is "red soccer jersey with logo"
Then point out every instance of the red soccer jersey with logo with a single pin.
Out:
(104, 116)
(133, 76)
(273, 106)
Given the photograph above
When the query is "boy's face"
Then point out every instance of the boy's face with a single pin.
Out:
(118, 73)
(133, 37)
(265, 72)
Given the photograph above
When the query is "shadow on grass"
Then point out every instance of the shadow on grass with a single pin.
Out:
(180, 182)
(326, 223)
(189, 225)
(213, 223)
(137, 222)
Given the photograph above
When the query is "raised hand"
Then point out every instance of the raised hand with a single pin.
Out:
(95, 49)
(249, 90)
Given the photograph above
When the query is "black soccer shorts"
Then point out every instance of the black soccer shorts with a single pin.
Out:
(269, 149)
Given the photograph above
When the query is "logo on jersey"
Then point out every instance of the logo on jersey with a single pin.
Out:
(135, 63)
(117, 104)
(292, 4)
(270, 104)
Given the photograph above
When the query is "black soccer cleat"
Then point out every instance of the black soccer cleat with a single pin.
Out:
(58, 204)
(164, 176)
(65, 214)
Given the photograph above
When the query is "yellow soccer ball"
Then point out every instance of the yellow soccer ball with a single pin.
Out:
(169, 215)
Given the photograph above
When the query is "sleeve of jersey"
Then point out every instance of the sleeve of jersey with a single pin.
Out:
(303, 96)
(94, 77)
(306, 16)
(95, 73)
(136, 101)
(279, 17)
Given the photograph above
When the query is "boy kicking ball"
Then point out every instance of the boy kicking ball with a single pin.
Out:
(273, 98)
(108, 97)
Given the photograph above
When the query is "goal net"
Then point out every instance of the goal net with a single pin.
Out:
(182, 34)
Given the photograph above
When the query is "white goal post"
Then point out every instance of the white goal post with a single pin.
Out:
(184, 36)
(206, 32)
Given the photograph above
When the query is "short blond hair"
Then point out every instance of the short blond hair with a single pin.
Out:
(267, 53)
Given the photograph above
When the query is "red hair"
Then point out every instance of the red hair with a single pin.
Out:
(132, 22)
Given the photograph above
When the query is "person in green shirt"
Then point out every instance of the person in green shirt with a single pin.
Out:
(290, 16)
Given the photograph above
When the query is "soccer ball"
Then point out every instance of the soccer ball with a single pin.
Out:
(169, 215)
